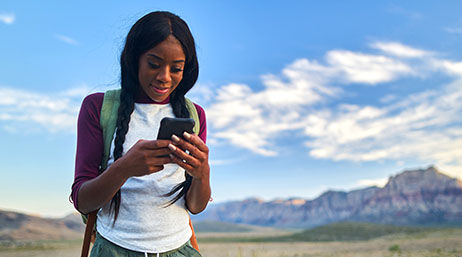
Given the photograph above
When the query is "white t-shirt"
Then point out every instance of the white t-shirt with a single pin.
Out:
(146, 223)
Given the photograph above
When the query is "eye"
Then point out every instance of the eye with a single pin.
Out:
(177, 69)
(153, 65)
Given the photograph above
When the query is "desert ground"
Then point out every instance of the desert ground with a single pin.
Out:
(432, 244)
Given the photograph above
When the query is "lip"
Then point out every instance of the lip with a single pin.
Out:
(160, 91)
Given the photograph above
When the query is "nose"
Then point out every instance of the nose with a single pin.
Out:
(164, 75)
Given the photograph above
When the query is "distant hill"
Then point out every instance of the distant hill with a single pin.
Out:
(344, 231)
(220, 227)
(16, 226)
(414, 197)
(351, 231)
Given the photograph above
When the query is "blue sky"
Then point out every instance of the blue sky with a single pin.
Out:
(300, 96)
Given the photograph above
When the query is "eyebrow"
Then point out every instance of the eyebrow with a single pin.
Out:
(157, 57)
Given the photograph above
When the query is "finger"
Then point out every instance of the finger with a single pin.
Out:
(159, 152)
(179, 153)
(160, 160)
(156, 144)
(185, 145)
(196, 141)
(181, 163)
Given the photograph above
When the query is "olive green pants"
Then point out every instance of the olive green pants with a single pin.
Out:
(104, 248)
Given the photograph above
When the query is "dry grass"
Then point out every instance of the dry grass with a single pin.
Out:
(441, 243)
(417, 248)
(448, 243)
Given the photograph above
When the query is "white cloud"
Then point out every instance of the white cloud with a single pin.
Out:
(452, 170)
(7, 18)
(257, 116)
(66, 39)
(423, 125)
(449, 67)
(380, 182)
(453, 30)
(201, 93)
(400, 50)
(364, 68)
(54, 113)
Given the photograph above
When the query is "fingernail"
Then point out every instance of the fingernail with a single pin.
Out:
(175, 139)
(186, 135)
(171, 147)
(171, 156)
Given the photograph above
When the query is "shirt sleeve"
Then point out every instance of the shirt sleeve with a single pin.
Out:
(203, 123)
(90, 143)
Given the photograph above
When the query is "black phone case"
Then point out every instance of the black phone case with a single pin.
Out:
(175, 126)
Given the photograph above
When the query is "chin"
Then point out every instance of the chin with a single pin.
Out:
(158, 98)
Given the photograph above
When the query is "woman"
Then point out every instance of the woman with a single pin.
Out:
(149, 186)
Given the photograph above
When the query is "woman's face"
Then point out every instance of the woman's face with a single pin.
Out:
(161, 69)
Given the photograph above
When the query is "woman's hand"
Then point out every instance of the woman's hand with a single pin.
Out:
(196, 164)
(144, 158)
(196, 161)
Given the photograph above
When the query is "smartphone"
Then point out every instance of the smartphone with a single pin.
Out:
(175, 126)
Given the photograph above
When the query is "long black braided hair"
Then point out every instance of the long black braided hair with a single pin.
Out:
(145, 34)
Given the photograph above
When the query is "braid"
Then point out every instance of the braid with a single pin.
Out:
(127, 104)
(178, 104)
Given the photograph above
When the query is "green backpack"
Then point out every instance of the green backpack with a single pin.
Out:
(108, 120)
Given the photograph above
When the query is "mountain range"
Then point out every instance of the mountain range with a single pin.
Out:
(18, 226)
(414, 197)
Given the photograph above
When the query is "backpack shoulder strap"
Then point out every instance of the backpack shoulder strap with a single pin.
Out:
(108, 120)
(194, 115)
(89, 230)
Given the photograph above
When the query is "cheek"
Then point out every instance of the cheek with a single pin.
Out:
(146, 77)
(177, 79)
(142, 74)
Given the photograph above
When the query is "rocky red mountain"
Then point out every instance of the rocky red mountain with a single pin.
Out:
(413, 197)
